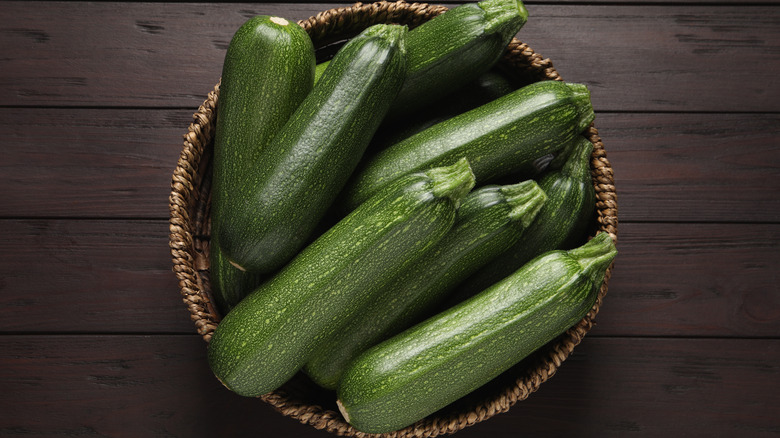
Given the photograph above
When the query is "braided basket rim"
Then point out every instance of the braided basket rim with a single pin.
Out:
(189, 232)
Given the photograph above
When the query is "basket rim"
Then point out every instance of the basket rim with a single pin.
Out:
(190, 259)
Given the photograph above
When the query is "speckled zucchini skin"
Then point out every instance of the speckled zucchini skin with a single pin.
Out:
(485, 88)
(267, 72)
(271, 334)
(229, 285)
(423, 369)
(312, 156)
(454, 48)
(489, 221)
(498, 138)
(561, 224)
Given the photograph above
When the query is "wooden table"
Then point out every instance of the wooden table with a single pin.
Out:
(94, 338)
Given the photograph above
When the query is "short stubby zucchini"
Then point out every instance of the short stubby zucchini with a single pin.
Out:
(454, 48)
(562, 222)
(449, 355)
(499, 138)
(313, 154)
(272, 332)
(267, 72)
(489, 221)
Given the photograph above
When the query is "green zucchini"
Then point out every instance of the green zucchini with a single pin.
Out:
(449, 355)
(485, 88)
(229, 285)
(561, 224)
(488, 222)
(310, 159)
(498, 138)
(455, 47)
(267, 72)
(272, 332)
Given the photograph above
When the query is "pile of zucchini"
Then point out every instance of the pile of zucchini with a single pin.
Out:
(403, 222)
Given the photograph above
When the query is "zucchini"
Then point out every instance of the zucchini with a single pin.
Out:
(267, 72)
(488, 222)
(561, 223)
(499, 138)
(454, 48)
(486, 88)
(310, 159)
(272, 332)
(449, 355)
(229, 285)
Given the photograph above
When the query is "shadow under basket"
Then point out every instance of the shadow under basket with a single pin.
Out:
(300, 398)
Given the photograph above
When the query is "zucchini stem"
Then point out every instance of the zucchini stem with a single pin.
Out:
(584, 106)
(453, 182)
(504, 17)
(525, 200)
(578, 164)
(595, 256)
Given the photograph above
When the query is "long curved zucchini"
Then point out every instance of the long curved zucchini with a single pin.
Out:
(489, 221)
(272, 332)
(498, 138)
(561, 224)
(453, 48)
(313, 155)
(438, 361)
(267, 72)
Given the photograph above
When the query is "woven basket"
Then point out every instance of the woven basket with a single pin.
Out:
(300, 398)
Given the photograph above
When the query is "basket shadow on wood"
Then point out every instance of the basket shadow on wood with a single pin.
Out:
(300, 398)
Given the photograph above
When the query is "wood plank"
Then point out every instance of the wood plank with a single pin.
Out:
(80, 276)
(118, 163)
(663, 57)
(114, 276)
(683, 57)
(117, 386)
(117, 54)
(694, 167)
(90, 162)
(694, 280)
(161, 386)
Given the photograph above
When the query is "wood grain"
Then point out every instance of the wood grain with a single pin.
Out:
(115, 277)
(694, 167)
(634, 57)
(694, 280)
(118, 163)
(88, 276)
(90, 162)
(160, 386)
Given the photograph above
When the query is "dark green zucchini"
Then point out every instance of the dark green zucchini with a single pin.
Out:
(489, 221)
(561, 224)
(229, 285)
(267, 72)
(452, 49)
(272, 332)
(312, 156)
(487, 87)
(444, 358)
(499, 138)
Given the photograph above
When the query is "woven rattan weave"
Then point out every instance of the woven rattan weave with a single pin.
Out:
(300, 398)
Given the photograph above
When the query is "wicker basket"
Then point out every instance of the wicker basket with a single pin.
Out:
(300, 398)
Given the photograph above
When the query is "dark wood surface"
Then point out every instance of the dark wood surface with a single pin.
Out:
(94, 338)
